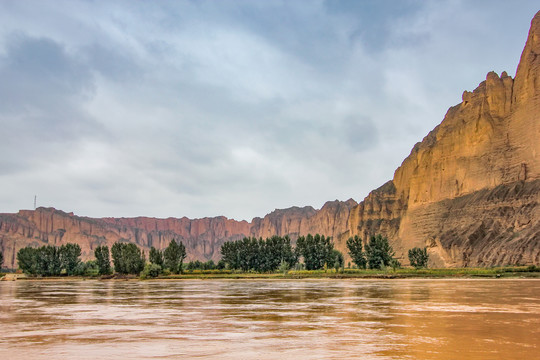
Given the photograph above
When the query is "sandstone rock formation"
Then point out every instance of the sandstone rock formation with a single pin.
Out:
(470, 191)
(202, 237)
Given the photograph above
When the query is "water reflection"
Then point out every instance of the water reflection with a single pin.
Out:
(239, 319)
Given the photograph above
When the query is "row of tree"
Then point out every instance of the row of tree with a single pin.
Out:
(127, 258)
(276, 252)
(258, 255)
(171, 260)
(379, 254)
(50, 260)
(248, 254)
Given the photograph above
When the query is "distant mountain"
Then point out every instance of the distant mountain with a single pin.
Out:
(202, 237)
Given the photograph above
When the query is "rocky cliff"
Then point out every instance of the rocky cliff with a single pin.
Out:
(202, 237)
(470, 192)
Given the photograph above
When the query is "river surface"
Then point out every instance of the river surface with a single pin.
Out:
(270, 319)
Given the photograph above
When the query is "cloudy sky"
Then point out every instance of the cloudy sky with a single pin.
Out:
(235, 108)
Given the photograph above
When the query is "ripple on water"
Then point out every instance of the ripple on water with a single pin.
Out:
(433, 319)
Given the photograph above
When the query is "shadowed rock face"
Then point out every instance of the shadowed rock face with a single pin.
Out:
(470, 191)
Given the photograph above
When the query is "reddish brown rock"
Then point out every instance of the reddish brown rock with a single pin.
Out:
(202, 237)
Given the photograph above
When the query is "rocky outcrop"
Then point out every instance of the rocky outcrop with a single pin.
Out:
(470, 189)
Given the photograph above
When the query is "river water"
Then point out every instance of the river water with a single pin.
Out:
(270, 319)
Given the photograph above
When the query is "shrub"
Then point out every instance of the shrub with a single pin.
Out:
(151, 270)
(418, 257)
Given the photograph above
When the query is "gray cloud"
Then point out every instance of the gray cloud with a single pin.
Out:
(208, 108)
(40, 96)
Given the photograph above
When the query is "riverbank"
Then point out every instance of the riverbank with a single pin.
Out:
(403, 273)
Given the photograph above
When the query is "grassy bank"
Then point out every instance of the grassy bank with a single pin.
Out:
(403, 273)
(498, 272)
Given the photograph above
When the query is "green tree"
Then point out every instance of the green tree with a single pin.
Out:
(379, 253)
(173, 256)
(354, 245)
(70, 257)
(418, 257)
(155, 256)
(337, 259)
(221, 265)
(27, 260)
(101, 253)
(127, 258)
(252, 254)
(230, 254)
(316, 251)
(49, 262)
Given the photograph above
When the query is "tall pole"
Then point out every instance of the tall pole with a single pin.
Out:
(35, 200)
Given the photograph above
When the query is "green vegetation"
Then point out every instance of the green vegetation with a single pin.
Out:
(388, 273)
(173, 257)
(89, 268)
(250, 254)
(317, 251)
(379, 253)
(354, 245)
(209, 265)
(337, 260)
(155, 257)
(50, 260)
(151, 270)
(127, 258)
(70, 258)
(418, 257)
(1, 259)
(251, 258)
(103, 262)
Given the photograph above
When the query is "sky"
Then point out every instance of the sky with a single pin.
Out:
(233, 108)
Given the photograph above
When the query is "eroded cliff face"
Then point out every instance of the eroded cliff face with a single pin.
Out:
(470, 189)
(202, 237)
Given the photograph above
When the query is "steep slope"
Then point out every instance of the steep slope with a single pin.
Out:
(470, 189)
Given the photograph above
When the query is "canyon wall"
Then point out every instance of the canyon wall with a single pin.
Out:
(202, 237)
(469, 191)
